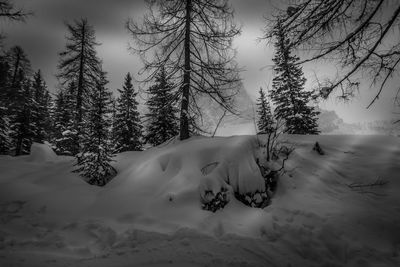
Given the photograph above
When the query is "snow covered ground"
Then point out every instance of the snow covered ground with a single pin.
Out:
(150, 214)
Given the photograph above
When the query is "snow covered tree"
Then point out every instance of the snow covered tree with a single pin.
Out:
(5, 141)
(162, 119)
(79, 63)
(41, 112)
(22, 125)
(65, 132)
(265, 118)
(17, 98)
(288, 93)
(94, 160)
(127, 126)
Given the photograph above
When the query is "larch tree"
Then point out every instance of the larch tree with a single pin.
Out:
(292, 101)
(162, 119)
(192, 41)
(79, 63)
(127, 127)
(355, 34)
(93, 162)
(265, 123)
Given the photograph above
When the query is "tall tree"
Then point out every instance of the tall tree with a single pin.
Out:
(41, 111)
(65, 132)
(79, 62)
(127, 126)
(357, 34)
(265, 122)
(162, 119)
(192, 42)
(288, 93)
(94, 160)
(22, 125)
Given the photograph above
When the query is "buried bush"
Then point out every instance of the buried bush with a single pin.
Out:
(254, 200)
(214, 202)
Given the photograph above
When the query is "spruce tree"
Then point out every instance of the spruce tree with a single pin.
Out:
(265, 118)
(162, 119)
(5, 141)
(65, 132)
(94, 159)
(22, 126)
(288, 93)
(127, 128)
(41, 112)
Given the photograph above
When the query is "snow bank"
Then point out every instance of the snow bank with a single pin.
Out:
(41, 153)
(150, 214)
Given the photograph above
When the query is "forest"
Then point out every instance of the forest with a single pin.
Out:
(92, 175)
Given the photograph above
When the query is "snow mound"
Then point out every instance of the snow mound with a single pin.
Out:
(151, 214)
(41, 153)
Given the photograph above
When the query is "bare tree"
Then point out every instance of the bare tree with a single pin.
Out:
(7, 10)
(190, 39)
(358, 34)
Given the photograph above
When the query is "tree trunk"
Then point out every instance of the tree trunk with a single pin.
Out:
(184, 120)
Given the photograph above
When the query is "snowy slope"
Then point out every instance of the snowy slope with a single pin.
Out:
(150, 214)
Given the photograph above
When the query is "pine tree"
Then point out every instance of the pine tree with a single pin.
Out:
(65, 132)
(41, 112)
(5, 141)
(94, 160)
(162, 117)
(288, 94)
(22, 127)
(127, 128)
(79, 63)
(265, 119)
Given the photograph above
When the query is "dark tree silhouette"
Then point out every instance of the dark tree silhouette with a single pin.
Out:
(127, 125)
(265, 122)
(354, 33)
(94, 159)
(65, 133)
(192, 41)
(41, 109)
(79, 63)
(288, 94)
(162, 120)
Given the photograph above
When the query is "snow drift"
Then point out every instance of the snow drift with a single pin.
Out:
(150, 213)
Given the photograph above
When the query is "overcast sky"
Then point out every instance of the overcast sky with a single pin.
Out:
(43, 36)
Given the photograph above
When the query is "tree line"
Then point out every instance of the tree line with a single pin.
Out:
(186, 49)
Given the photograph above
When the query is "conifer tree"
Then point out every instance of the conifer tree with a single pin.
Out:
(22, 125)
(265, 118)
(127, 128)
(162, 116)
(65, 133)
(41, 112)
(5, 141)
(79, 63)
(94, 160)
(288, 94)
